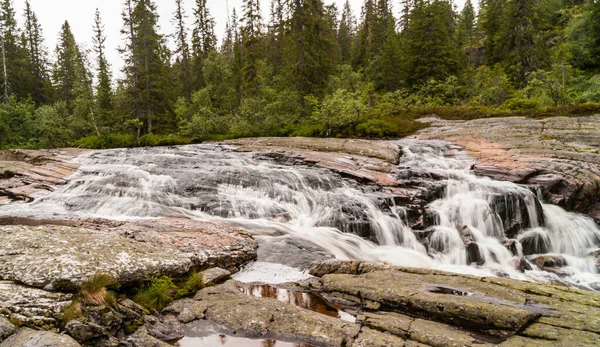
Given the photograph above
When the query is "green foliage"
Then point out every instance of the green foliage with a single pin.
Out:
(98, 282)
(161, 291)
(50, 126)
(158, 294)
(163, 140)
(71, 311)
(339, 110)
(107, 141)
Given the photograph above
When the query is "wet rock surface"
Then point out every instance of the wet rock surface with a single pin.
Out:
(560, 154)
(373, 149)
(27, 174)
(401, 307)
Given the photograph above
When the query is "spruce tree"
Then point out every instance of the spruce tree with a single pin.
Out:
(251, 50)
(522, 48)
(148, 81)
(466, 32)
(39, 87)
(345, 34)
(183, 65)
(314, 49)
(204, 40)
(430, 50)
(104, 94)
(490, 23)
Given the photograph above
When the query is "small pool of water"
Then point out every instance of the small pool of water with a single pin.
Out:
(308, 300)
(231, 341)
(204, 333)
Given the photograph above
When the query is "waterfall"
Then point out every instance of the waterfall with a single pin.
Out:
(477, 226)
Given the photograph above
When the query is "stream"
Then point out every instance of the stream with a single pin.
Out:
(329, 215)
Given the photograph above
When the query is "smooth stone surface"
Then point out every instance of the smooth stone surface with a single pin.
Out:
(214, 275)
(26, 337)
(58, 257)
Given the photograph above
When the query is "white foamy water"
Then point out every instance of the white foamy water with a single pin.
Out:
(269, 199)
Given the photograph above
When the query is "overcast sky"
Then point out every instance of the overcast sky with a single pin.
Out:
(80, 14)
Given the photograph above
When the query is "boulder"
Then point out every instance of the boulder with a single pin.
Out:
(6, 328)
(26, 337)
(62, 258)
(214, 275)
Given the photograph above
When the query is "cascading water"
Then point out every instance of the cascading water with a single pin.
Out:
(469, 221)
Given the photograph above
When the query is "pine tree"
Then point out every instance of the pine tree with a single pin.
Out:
(490, 22)
(466, 32)
(522, 49)
(278, 26)
(430, 50)
(314, 49)
(68, 66)
(73, 82)
(130, 85)
(183, 65)
(204, 40)
(148, 81)
(251, 50)
(13, 57)
(386, 68)
(346, 32)
(39, 87)
(104, 94)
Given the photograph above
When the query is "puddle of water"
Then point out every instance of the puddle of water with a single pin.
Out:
(308, 300)
(448, 291)
(230, 341)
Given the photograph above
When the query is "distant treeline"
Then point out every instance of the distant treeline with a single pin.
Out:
(309, 69)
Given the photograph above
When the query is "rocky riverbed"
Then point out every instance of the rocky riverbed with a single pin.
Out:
(48, 259)
(560, 154)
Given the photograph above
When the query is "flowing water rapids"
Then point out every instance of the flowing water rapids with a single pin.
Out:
(338, 215)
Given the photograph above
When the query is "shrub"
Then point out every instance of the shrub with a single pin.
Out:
(519, 104)
(374, 127)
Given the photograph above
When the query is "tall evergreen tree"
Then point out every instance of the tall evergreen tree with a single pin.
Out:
(204, 39)
(430, 50)
(73, 82)
(148, 80)
(466, 32)
(314, 48)
(251, 50)
(491, 14)
(386, 67)
(183, 65)
(522, 48)
(345, 34)
(40, 87)
(12, 55)
(104, 94)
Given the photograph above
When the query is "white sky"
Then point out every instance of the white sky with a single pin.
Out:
(80, 14)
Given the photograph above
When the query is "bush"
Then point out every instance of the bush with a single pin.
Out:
(374, 128)
(519, 104)
(163, 290)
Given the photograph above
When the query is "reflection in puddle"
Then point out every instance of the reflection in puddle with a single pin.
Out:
(230, 341)
(307, 300)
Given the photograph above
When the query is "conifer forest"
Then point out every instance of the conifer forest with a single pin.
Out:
(307, 69)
